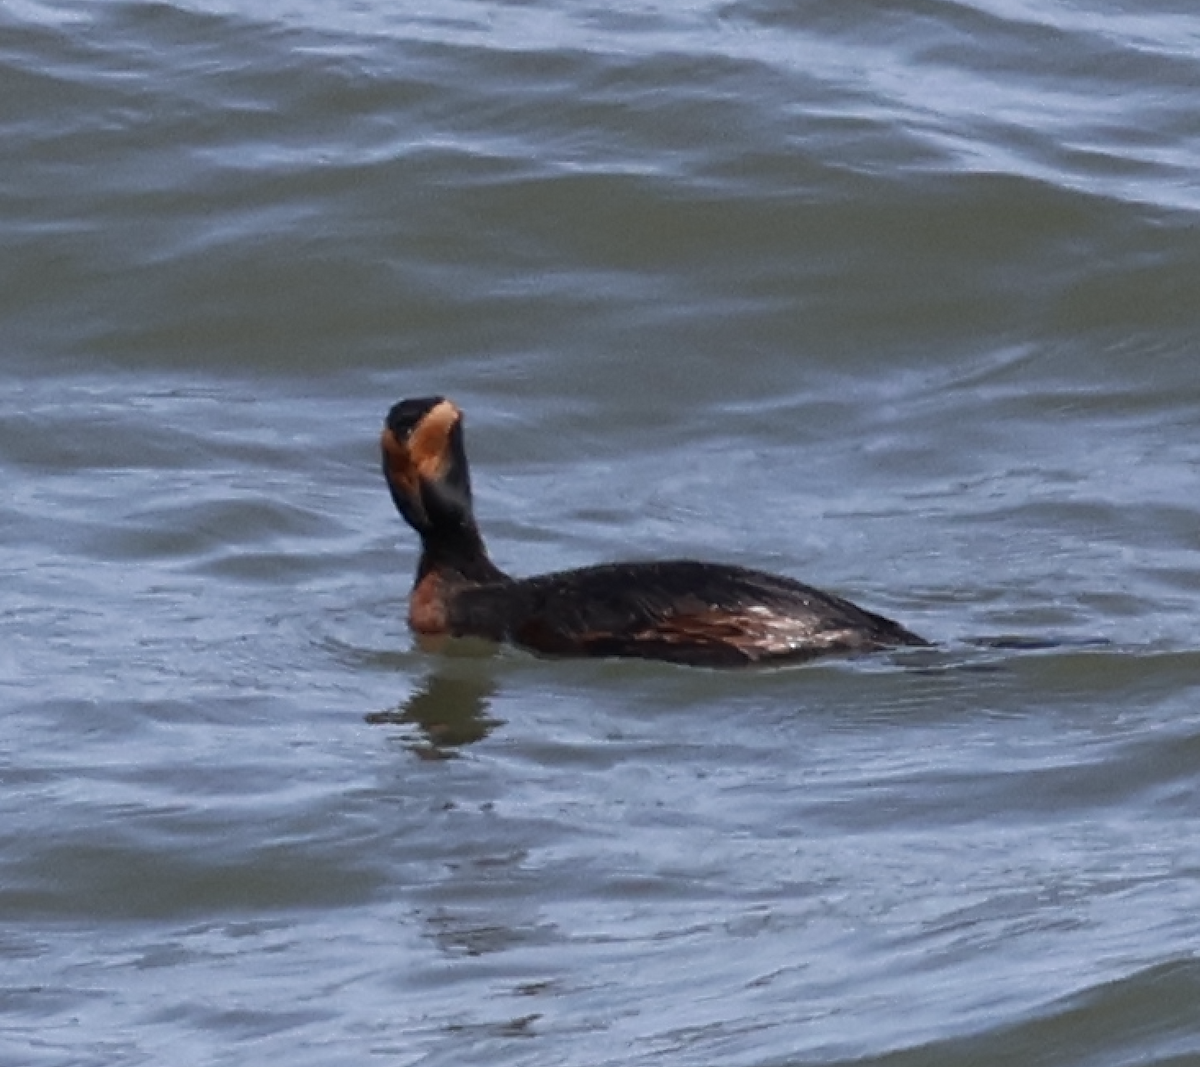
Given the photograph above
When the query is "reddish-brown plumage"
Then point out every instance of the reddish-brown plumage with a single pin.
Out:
(427, 606)
(680, 610)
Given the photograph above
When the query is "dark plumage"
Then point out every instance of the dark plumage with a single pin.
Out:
(679, 610)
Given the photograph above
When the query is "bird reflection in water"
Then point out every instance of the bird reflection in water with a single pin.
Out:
(449, 711)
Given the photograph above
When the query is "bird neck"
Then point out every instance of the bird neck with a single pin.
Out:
(457, 549)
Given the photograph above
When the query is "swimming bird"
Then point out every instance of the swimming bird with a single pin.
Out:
(682, 611)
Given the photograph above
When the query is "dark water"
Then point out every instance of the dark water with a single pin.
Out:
(898, 298)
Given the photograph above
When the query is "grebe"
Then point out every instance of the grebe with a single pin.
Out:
(704, 614)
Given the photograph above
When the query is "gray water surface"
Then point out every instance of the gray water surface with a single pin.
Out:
(895, 298)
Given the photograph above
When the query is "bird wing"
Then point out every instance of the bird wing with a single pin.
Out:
(689, 613)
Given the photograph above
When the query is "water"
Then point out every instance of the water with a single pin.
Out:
(897, 298)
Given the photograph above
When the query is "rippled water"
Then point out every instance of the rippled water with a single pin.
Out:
(898, 298)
